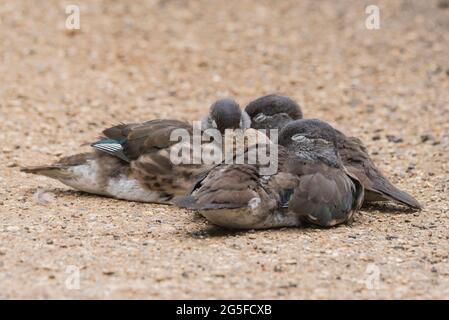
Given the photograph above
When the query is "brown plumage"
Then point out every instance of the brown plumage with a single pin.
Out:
(272, 111)
(377, 187)
(147, 137)
(311, 185)
(133, 161)
(148, 147)
(237, 196)
(275, 112)
(140, 170)
(326, 196)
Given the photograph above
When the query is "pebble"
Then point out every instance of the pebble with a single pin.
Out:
(394, 139)
(443, 4)
(108, 272)
(427, 137)
(12, 228)
(277, 268)
(43, 197)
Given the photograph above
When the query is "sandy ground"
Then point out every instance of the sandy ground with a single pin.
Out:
(140, 60)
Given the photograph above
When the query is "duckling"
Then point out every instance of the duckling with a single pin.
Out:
(275, 111)
(310, 186)
(132, 161)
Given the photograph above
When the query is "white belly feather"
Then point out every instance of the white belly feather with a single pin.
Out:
(86, 177)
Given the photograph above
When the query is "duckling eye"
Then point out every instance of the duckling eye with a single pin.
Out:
(298, 137)
(260, 117)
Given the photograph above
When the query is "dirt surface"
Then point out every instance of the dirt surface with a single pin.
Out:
(140, 60)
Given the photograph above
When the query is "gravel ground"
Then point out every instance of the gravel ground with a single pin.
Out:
(140, 60)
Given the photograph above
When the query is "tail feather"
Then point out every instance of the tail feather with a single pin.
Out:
(77, 171)
(54, 171)
(391, 192)
(60, 169)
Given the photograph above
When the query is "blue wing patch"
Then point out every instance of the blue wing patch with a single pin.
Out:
(112, 147)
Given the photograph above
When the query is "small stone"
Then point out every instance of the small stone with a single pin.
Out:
(376, 137)
(108, 272)
(443, 4)
(288, 285)
(49, 241)
(394, 139)
(13, 228)
(370, 108)
(220, 275)
(150, 96)
(427, 137)
(436, 142)
(43, 197)
(277, 268)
